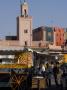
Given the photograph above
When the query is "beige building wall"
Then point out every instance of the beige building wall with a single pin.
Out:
(54, 39)
(65, 35)
(9, 43)
(40, 44)
(25, 30)
(44, 35)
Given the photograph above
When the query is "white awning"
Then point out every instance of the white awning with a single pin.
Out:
(7, 56)
(39, 52)
(13, 48)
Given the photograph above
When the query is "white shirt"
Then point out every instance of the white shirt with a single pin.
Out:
(43, 68)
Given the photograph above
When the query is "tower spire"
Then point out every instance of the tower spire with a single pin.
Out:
(24, 0)
(24, 8)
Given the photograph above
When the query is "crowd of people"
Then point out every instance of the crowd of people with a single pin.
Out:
(46, 71)
(50, 69)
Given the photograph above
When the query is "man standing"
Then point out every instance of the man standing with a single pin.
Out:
(55, 73)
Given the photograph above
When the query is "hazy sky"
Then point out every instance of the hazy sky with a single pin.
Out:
(44, 12)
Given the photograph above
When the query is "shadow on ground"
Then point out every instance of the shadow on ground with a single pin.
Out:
(48, 88)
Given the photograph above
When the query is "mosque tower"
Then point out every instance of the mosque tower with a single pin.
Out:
(24, 26)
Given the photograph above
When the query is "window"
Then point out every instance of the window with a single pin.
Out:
(63, 43)
(59, 30)
(49, 34)
(54, 30)
(25, 12)
(25, 31)
(25, 43)
(57, 34)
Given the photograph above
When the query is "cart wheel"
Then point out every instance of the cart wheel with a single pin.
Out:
(16, 81)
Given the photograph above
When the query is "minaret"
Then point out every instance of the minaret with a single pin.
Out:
(24, 26)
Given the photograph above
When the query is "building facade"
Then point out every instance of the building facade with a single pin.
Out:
(58, 36)
(42, 36)
(48, 35)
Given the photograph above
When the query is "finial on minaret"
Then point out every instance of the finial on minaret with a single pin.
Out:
(21, 1)
(24, 0)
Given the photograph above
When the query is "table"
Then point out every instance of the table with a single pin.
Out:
(41, 82)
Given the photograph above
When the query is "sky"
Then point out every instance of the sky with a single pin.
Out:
(43, 12)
